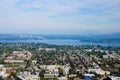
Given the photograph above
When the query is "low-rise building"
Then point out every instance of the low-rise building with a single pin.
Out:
(99, 71)
(5, 71)
(27, 76)
(105, 56)
(25, 54)
(8, 61)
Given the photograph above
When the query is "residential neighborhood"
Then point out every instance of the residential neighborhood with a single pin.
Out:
(31, 62)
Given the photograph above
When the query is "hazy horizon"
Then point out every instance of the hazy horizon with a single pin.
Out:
(59, 16)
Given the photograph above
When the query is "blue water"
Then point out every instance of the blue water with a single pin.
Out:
(60, 42)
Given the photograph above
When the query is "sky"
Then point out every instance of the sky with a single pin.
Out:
(59, 16)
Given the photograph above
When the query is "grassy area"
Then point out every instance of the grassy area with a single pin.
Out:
(15, 65)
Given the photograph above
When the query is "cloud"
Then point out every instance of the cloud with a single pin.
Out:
(60, 15)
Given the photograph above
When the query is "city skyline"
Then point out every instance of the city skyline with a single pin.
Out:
(59, 16)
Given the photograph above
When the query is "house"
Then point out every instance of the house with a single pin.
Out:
(117, 66)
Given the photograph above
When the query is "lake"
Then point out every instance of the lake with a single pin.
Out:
(60, 42)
